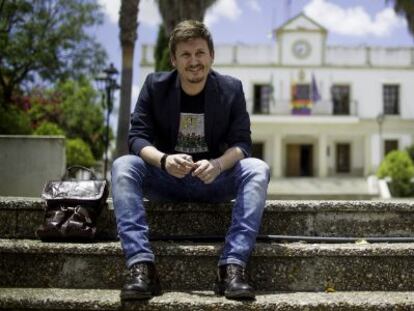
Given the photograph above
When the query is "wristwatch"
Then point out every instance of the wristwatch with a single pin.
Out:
(162, 161)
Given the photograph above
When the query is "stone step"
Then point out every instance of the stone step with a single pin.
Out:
(19, 218)
(327, 188)
(322, 197)
(81, 299)
(189, 266)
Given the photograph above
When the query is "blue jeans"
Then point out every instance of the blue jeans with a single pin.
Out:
(132, 179)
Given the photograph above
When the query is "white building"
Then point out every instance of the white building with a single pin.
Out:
(366, 105)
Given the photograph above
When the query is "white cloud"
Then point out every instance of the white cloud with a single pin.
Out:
(353, 21)
(148, 11)
(111, 9)
(227, 9)
(254, 5)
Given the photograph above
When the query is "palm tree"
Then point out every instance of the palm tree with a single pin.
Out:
(406, 9)
(174, 11)
(128, 25)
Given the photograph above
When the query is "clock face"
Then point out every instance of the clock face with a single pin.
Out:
(301, 48)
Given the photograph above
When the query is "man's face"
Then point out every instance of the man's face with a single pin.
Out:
(193, 61)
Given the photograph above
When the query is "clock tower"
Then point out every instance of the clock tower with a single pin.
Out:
(301, 41)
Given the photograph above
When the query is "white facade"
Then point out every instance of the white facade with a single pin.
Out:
(338, 137)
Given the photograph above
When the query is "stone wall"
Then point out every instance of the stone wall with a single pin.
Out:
(27, 162)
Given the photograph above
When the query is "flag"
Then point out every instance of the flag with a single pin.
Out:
(315, 96)
(301, 101)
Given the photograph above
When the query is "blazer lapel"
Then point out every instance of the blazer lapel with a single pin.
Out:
(211, 104)
(174, 115)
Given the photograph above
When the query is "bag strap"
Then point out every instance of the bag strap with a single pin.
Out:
(75, 168)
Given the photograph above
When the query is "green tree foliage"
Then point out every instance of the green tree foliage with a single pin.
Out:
(42, 105)
(78, 153)
(410, 151)
(82, 116)
(14, 121)
(73, 106)
(161, 51)
(405, 8)
(49, 128)
(399, 166)
(46, 40)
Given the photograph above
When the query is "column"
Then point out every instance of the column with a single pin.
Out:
(367, 155)
(277, 156)
(376, 152)
(322, 156)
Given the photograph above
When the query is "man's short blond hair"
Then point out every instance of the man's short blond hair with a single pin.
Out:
(187, 30)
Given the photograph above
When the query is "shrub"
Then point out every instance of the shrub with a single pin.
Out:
(49, 128)
(410, 151)
(13, 121)
(78, 153)
(399, 166)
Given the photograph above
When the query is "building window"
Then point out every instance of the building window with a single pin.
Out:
(390, 145)
(340, 99)
(343, 158)
(391, 97)
(262, 98)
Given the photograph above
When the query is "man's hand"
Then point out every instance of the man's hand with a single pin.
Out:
(206, 170)
(179, 165)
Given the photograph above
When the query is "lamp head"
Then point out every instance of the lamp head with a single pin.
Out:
(111, 71)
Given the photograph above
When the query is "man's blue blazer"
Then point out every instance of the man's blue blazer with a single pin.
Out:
(156, 117)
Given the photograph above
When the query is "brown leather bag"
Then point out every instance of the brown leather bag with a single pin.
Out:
(73, 207)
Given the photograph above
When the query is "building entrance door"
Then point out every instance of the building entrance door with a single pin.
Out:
(299, 160)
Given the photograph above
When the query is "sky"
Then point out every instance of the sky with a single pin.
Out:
(348, 22)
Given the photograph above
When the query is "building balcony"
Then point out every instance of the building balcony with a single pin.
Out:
(288, 108)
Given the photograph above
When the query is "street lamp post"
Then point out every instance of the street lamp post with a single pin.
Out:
(106, 82)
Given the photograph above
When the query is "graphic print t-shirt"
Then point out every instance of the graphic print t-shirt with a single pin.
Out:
(191, 137)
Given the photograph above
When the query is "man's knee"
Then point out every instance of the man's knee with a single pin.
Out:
(257, 167)
(127, 164)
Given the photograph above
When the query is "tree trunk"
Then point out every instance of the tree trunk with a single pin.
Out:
(125, 106)
(6, 94)
(175, 11)
(128, 34)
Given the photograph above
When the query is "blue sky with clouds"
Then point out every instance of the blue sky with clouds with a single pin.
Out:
(349, 22)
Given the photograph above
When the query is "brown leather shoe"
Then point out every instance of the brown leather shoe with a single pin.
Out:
(142, 282)
(232, 283)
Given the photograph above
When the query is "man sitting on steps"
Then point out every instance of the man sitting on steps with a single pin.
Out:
(189, 141)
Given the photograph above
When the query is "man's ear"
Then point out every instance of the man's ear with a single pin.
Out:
(172, 60)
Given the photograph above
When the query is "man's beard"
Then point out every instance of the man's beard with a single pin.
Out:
(197, 79)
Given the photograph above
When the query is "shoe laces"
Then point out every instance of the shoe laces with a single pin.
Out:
(138, 270)
(236, 271)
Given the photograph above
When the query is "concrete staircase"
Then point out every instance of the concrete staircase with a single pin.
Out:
(327, 188)
(289, 275)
